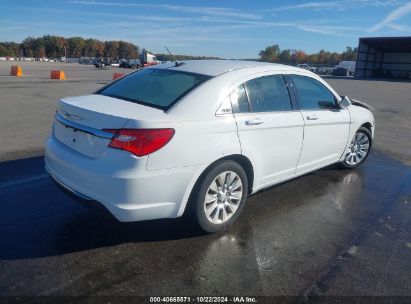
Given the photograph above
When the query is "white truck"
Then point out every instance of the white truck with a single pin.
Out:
(344, 68)
(148, 59)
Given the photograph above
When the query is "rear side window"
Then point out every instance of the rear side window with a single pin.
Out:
(312, 94)
(239, 100)
(158, 88)
(268, 94)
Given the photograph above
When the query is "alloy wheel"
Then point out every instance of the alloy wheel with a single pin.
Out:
(223, 197)
(358, 149)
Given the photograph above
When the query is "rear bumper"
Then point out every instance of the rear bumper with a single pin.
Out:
(75, 194)
(119, 181)
(83, 200)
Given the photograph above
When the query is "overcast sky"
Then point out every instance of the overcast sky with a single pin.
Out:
(229, 29)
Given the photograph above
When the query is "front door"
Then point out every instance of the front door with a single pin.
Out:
(326, 125)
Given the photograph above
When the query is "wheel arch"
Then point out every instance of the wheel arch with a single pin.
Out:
(242, 160)
(246, 164)
(368, 126)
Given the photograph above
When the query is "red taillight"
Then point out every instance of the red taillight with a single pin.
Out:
(140, 141)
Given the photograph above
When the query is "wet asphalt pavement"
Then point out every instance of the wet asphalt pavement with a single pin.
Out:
(331, 232)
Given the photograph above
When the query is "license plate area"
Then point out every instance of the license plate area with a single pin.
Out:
(82, 142)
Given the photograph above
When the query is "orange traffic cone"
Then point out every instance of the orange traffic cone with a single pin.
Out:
(57, 75)
(117, 75)
(16, 71)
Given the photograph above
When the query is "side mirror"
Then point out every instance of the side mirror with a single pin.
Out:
(345, 102)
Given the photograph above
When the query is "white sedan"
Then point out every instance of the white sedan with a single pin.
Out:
(198, 137)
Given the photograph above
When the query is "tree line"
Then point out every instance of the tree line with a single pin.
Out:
(273, 53)
(51, 46)
(56, 46)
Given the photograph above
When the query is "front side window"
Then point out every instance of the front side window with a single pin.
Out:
(158, 88)
(312, 94)
(268, 94)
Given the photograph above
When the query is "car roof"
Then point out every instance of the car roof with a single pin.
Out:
(216, 67)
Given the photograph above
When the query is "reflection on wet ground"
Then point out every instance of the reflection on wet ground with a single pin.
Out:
(329, 232)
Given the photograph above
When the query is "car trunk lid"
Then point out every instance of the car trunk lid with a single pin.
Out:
(80, 121)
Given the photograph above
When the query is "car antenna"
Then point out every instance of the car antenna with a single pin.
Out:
(168, 51)
(177, 64)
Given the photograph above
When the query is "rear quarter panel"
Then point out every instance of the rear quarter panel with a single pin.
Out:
(196, 143)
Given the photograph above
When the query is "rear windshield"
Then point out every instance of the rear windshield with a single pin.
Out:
(158, 88)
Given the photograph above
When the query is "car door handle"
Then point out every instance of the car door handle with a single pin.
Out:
(312, 117)
(253, 122)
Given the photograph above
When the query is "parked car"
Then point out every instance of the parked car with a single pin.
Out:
(198, 137)
(340, 72)
(102, 62)
(325, 70)
(305, 66)
(131, 64)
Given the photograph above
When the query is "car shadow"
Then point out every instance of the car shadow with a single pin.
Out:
(82, 228)
(38, 219)
(41, 220)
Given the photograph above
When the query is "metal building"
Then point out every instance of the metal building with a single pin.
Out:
(384, 57)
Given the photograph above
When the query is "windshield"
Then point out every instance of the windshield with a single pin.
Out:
(158, 88)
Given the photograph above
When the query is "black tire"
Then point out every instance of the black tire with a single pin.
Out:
(344, 164)
(197, 199)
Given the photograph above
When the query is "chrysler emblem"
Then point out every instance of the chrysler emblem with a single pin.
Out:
(72, 116)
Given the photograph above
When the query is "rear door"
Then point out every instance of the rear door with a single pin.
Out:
(269, 128)
(326, 124)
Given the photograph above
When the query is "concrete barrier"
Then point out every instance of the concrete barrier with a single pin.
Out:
(16, 70)
(57, 75)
